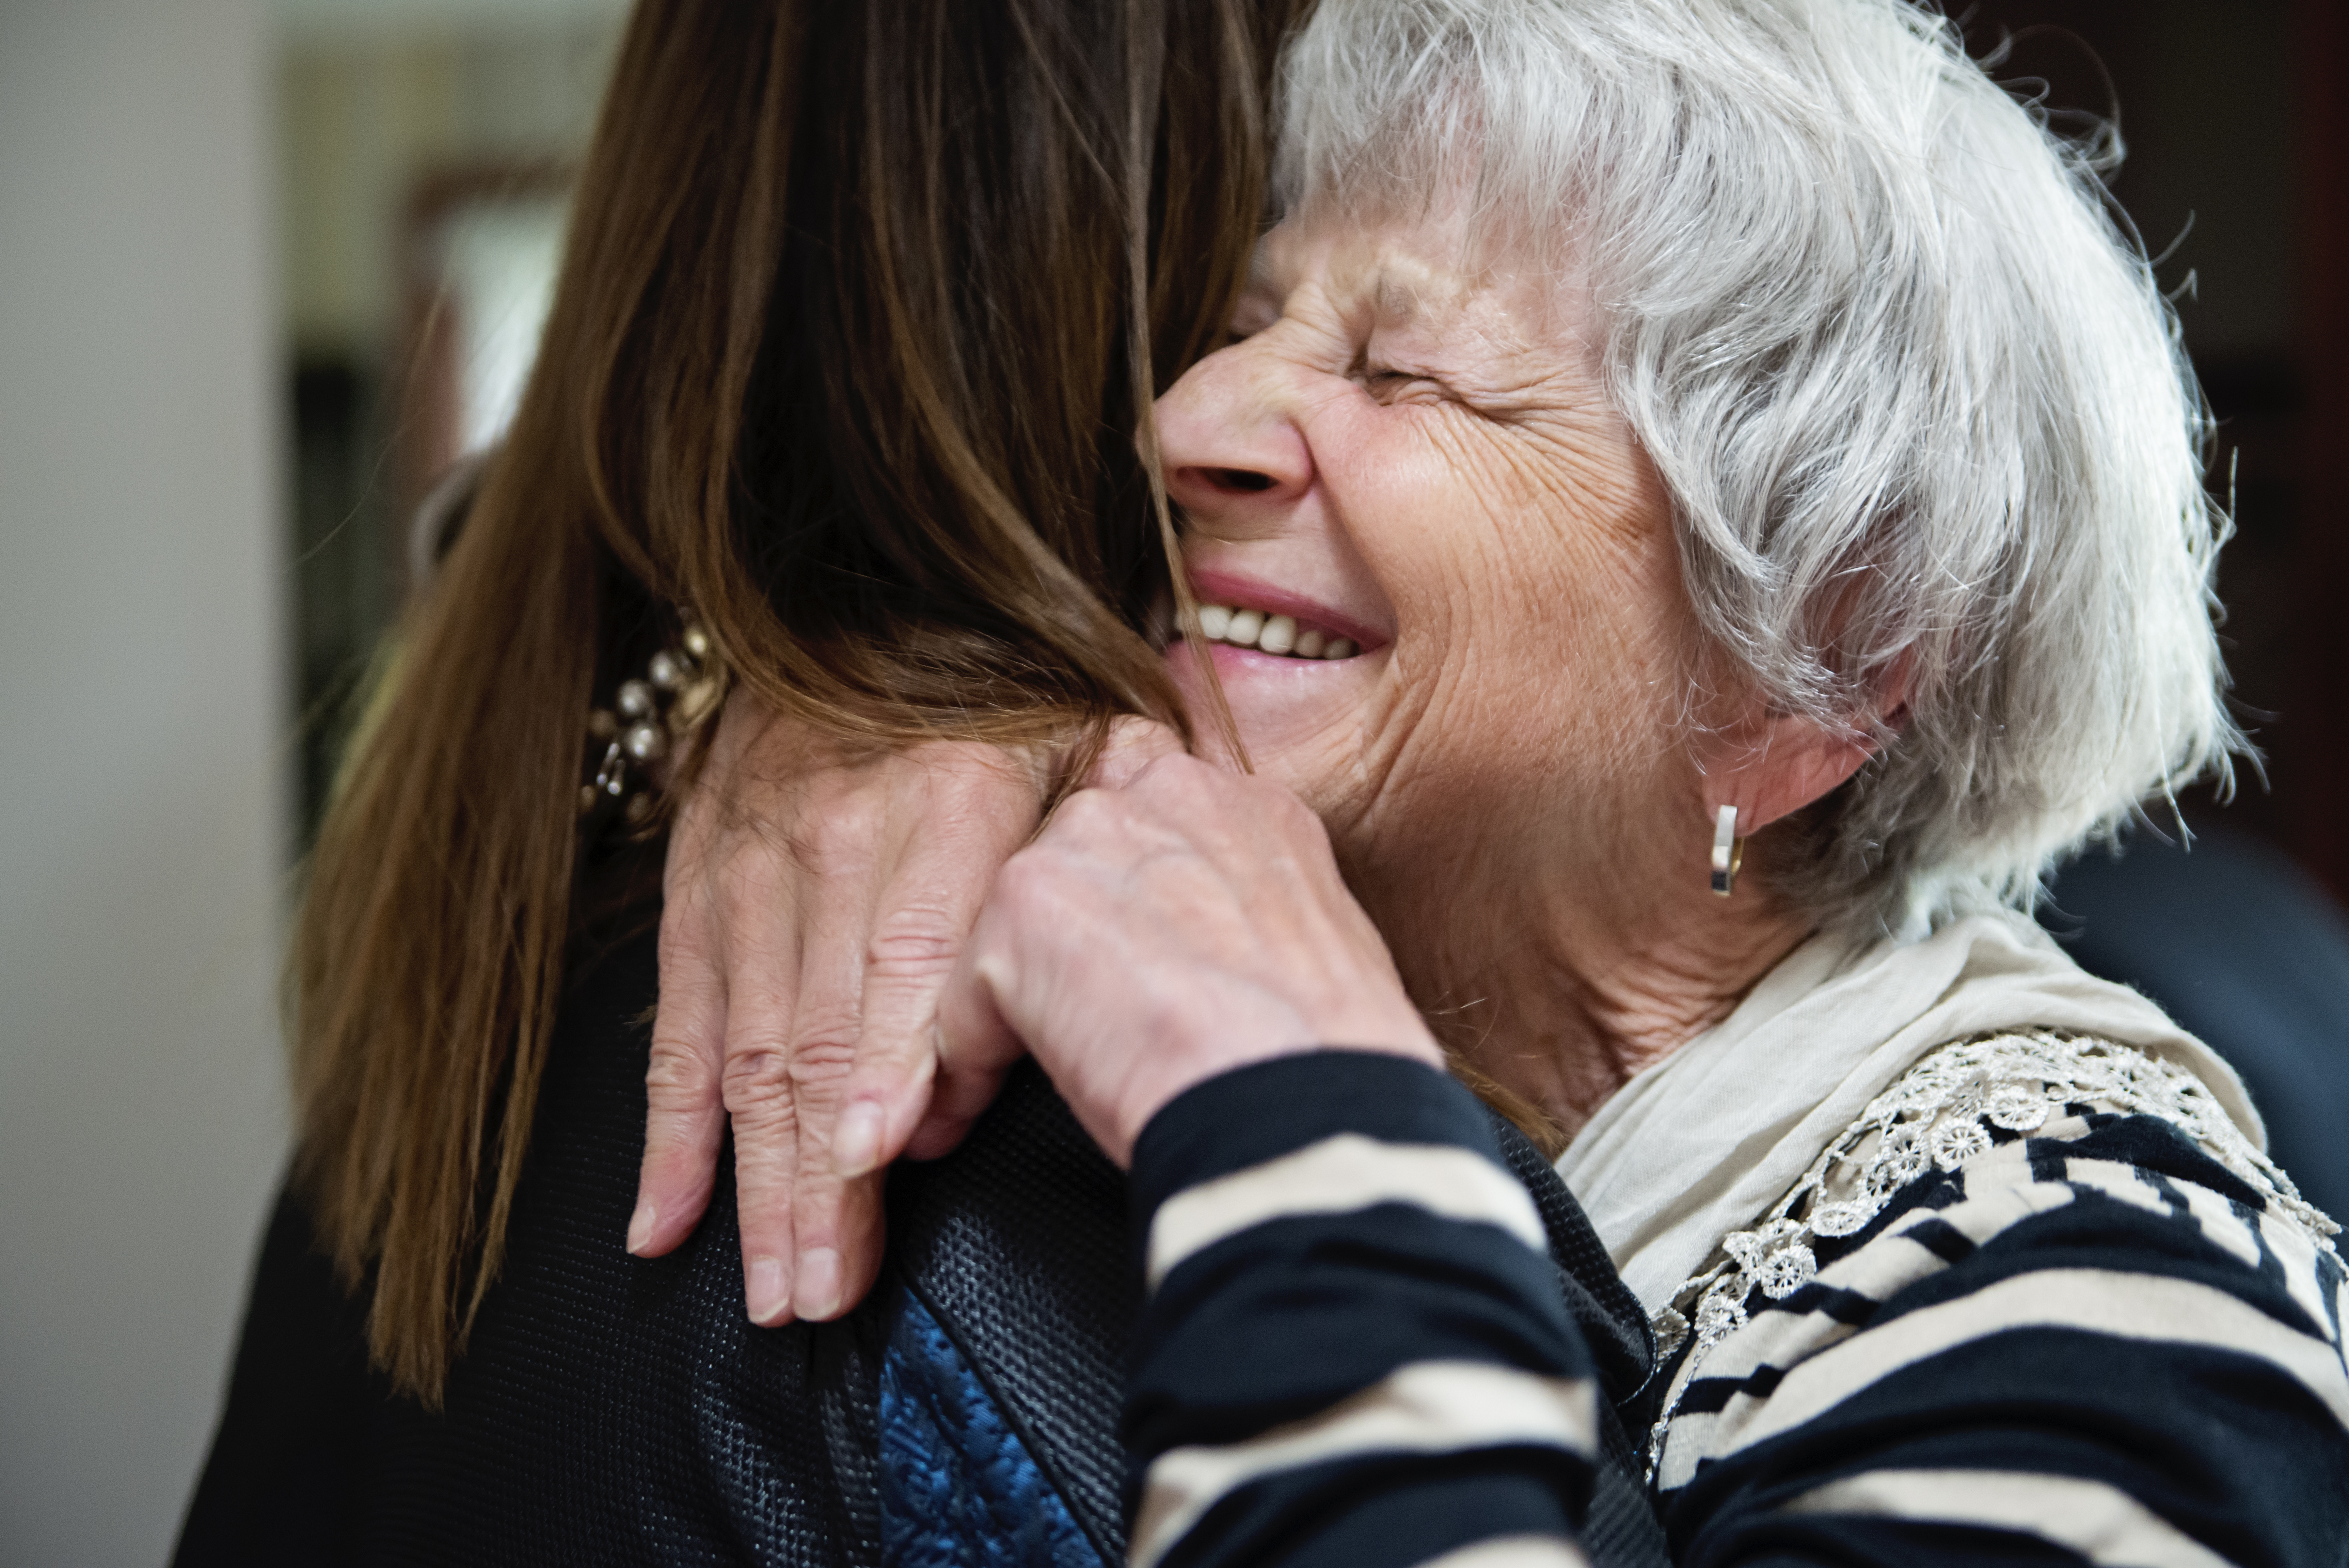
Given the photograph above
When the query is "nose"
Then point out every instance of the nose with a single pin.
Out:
(1226, 438)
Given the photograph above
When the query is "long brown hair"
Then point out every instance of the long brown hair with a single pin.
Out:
(863, 309)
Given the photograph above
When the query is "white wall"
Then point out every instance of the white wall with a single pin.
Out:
(141, 743)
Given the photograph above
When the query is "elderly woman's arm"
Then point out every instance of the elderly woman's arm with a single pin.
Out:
(1353, 1350)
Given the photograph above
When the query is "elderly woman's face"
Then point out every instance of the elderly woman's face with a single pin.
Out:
(1420, 459)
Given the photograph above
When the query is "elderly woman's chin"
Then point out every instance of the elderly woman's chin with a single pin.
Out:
(1299, 719)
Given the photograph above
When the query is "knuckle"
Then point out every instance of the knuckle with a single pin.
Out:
(676, 1067)
(848, 827)
(757, 1082)
(1089, 819)
(823, 1021)
(1173, 770)
(822, 1063)
(913, 941)
(1292, 814)
(752, 871)
(1029, 882)
(675, 1051)
(823, 1042)
(1089, 808)
(1037, 912)
(989, 779)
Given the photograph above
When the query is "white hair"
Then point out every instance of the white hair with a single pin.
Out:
(1919, 406)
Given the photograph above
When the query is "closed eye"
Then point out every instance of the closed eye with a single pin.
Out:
(1394, 386)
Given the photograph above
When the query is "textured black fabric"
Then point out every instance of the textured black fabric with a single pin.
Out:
(611, 1410)
(1016, 1244)
(1620, 1526)
(1622, 1349)
(282, 1485)
(617, 1410)
(608, 1409)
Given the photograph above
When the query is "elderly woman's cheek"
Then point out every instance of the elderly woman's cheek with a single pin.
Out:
(1575, 565)
(1527, 675)
(1568, 673)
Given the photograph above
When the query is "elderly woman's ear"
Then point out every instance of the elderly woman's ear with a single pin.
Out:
(1771, 763)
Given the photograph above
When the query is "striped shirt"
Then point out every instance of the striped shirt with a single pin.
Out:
(2043, 1302)
(1354, 1350)
(2040, 1303)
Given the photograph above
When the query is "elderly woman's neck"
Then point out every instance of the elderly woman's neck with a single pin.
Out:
(1566, 1011)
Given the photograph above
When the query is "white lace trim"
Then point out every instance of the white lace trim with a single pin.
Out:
(1940, 1114)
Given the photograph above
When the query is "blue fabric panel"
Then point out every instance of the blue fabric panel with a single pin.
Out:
(958, 1488)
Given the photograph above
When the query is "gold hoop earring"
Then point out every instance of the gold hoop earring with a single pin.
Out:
(1728, 852)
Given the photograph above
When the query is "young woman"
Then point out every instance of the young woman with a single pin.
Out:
(862, 310)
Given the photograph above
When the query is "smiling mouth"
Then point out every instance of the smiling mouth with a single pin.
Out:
(1240, 627)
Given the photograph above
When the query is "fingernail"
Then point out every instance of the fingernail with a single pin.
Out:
(769, 1288)
(640, 1226)
(856, 1139)
(819, 1293)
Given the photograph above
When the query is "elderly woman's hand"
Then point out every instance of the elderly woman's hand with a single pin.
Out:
(1173, 923)
(815, 903)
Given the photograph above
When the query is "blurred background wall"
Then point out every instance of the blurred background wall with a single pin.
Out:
(219, 220)
(143, 849)
(266, 266)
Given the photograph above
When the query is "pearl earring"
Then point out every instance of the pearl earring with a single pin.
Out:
(1728, 851)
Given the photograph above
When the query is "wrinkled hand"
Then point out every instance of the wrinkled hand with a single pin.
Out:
(816, 900)
(1172, 924)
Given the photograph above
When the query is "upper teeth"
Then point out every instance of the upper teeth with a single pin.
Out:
(1273, 634)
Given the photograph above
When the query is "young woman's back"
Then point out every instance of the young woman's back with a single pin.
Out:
(615, 1410)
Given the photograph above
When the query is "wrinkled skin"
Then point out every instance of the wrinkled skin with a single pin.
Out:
(1515, 778)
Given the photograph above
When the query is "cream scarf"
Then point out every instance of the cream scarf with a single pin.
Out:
(1704, 1141)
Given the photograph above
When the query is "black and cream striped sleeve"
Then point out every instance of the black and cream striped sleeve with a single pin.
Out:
(2092, 1344)
(1353, 1351)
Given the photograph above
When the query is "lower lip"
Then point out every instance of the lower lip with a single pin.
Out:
(1232, 660)
(1278, 703)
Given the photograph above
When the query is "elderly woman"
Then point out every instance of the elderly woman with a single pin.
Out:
(1707, 511)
